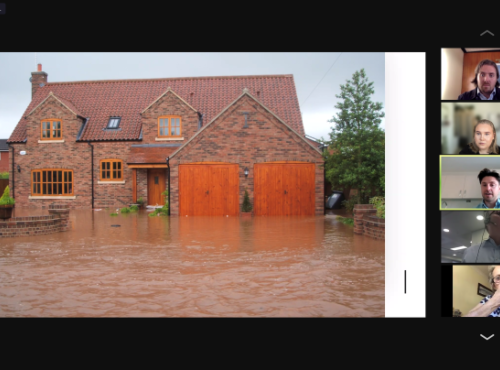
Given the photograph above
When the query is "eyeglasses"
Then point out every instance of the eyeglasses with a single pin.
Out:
(496, 279)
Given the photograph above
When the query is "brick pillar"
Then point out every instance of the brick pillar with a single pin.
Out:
(374, 227)
(360, 211)
(62, 211)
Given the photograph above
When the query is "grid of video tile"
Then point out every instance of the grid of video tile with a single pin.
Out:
(469, 200)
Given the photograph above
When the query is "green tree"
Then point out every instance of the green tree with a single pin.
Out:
(246, 206)
(356, 150)
(6, 199)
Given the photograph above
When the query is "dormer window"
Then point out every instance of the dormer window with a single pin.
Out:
(169, 126)
(114, 122)
(51, 129)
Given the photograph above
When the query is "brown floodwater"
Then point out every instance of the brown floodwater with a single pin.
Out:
(133, 265)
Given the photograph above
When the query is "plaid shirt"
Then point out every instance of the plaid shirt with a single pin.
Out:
(495, 313)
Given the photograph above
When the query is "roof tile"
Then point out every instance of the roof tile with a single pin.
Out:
(98, 100)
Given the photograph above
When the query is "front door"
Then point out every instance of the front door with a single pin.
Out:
(156, 185)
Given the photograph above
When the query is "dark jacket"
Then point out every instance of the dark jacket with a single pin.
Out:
(467, 150)
(472, 95)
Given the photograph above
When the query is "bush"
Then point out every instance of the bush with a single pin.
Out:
(349, 203)
(247, 206)
(134, 208)
(125, 210)
(114, 214)
(346, 220)
(379, 203)
(4, 175)
(163, 210)
(6, 199)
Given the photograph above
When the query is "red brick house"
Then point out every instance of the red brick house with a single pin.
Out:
(4, 155)
(107, 143)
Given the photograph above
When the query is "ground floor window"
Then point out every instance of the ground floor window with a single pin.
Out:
(52, 182)
(111, 170)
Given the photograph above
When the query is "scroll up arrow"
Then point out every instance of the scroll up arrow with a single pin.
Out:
(488, 338)
(488, 32)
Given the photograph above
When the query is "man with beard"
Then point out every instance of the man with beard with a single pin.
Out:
(490, 187)
(486, 81)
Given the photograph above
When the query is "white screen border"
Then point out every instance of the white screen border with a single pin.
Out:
(405, 184)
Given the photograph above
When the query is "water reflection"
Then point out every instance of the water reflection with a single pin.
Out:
(192, 266)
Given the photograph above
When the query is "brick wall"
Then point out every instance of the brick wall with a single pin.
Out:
(265, 139)
(142, 184)
(108, 194)
(56, 221)
(169, 104)
(367, 223)
(44, 155)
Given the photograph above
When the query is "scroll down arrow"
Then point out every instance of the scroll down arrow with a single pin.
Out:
(488, 338)
(488, 32)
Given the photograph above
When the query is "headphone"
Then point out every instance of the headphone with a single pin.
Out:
(487, 220)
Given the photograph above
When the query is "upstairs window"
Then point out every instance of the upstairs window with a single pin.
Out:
(114, 122)
(169, 126)
(52, 182)
(111, 170)
(51, 129)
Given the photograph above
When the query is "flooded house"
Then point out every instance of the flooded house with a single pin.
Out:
(107, 143)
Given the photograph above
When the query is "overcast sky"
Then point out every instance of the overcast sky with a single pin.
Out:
(317, 76)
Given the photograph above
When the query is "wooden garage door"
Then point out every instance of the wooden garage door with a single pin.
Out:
(208, 190)
(284, 189)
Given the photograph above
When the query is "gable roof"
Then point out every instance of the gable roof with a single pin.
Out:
(63, 101)
(3, 145)
(245, 92)
(98, 100)
(169, 90)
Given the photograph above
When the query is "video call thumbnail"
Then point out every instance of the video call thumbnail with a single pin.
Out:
(474, 291)
(469, 128)
(470, 74)
(470, 182)
(470, 236)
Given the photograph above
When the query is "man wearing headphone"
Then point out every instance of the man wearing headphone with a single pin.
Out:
(488, 250)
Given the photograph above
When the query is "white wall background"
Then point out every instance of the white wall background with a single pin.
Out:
(452, 65)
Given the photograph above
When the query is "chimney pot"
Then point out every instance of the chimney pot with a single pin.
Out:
(39, 67)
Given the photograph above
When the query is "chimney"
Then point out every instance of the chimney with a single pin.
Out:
(38, 79)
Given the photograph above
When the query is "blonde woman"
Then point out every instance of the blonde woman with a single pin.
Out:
(490, 305)
(485, 139)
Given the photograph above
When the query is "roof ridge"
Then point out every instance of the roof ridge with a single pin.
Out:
(167, 79)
